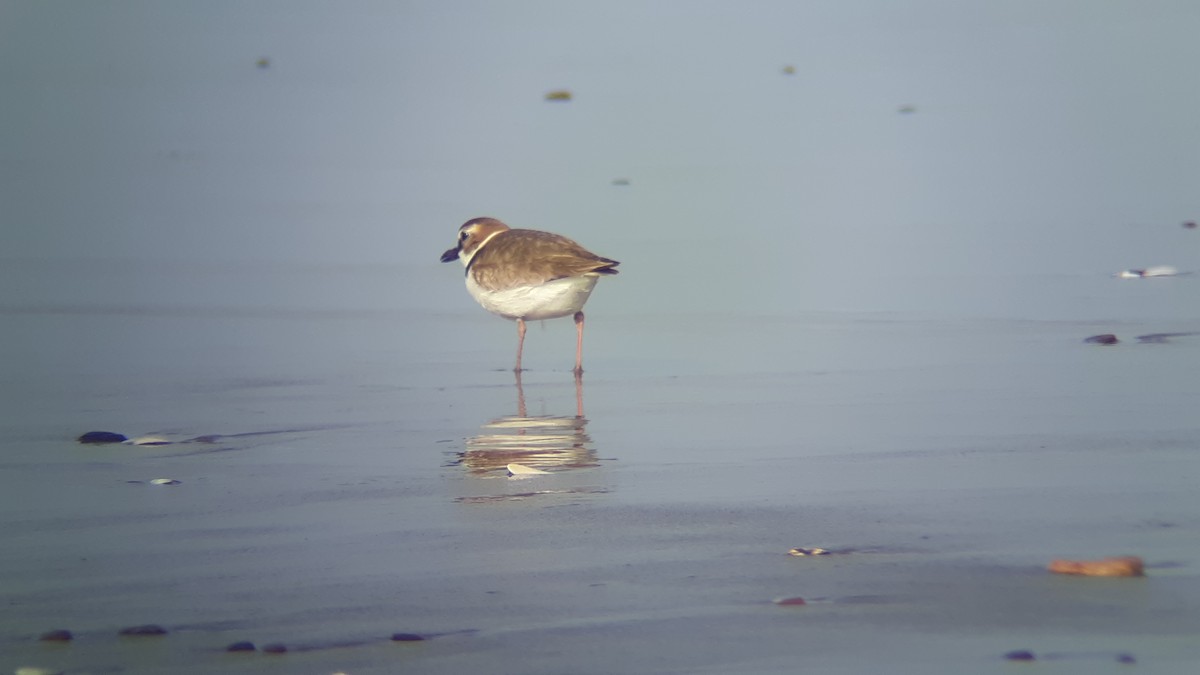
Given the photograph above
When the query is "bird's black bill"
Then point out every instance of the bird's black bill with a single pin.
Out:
(452, 254)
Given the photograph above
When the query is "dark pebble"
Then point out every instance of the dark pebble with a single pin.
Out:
(57, 636)
(101, 437)
(407, 637)
(1126, 658)
(1020, 655)
(274, 648)
(1105, 339)
(241, 647)
(148, 629)
(1190, 225)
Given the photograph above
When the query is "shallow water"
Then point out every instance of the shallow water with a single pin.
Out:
(837, 325)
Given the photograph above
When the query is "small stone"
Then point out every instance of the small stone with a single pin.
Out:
(274, 648)
(558, 95)
(789, 70)
(1125, 658)
(790, 601)
(57, 635)
(149, 629)
(407, 637)
(101, 438)
(241, 647)
(1121, 566)
(1189, 225)
(1105, 339)
(1020, 655)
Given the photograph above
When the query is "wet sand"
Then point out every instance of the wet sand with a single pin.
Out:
(355, 489)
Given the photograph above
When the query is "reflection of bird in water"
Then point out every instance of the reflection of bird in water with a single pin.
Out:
(545, 442)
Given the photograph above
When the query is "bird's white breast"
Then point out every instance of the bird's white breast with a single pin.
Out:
(561, 297)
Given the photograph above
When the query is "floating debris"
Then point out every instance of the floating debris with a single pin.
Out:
(800, 552)
(791, 601)
(241, 647)
(149, 629)
(558, 95)
(101, 438)
(165, 481)
(57, 635)
(620, 181)
(1120, 566)
(1020, 655)
(520, 470)
(789, 70)
(906, 109)
(407, 637)
(263, 63)
(1103, 339)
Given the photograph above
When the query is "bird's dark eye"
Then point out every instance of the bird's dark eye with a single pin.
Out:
(462, 236)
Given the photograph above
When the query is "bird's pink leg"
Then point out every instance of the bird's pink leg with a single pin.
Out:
(578, 343)
(520, 343)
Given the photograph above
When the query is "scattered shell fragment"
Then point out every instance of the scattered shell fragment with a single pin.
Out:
(149, 440)
(515, 469)
(101, 437)
(789, 601)
(798, 551)
(34, 670)
(149, 629)
(558, 95)
(165, 481)
(407, 637)
(1155, 271)
(1120, 566)
(1103, 339)
(57, 635)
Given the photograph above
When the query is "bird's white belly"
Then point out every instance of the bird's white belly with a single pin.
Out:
(561, 297)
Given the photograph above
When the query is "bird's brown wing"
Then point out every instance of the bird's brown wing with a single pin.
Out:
(529, 257)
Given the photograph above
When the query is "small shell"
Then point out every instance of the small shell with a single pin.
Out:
(149, 440)
(808, 551)
(522, 470)
(165, 481)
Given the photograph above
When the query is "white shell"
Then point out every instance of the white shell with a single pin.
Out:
(149, 440)
(522, 470)
(164, 481)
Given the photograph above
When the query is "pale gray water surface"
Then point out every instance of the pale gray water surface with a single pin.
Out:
(837, 325)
